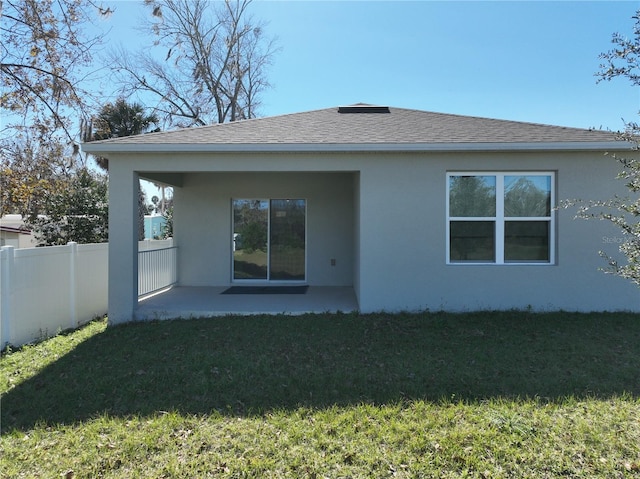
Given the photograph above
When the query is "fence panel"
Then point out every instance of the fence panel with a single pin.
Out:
(92, 285)
(46, 290)
(40, 292)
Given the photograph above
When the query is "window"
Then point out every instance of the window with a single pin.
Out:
(500, 218)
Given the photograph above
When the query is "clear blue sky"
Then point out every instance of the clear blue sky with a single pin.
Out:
(528, 61)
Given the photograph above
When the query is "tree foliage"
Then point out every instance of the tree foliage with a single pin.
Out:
(215, 58)
(118, 119)
(29, 172)
(79, 212)
(167, 229)
(43, 56)
(621, 62)
(46, 48)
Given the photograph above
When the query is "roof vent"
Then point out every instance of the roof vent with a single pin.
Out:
(361, 108)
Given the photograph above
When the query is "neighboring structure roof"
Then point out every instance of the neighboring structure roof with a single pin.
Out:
(14, 233)
(13, 224)
(15, 229)
(364, 127)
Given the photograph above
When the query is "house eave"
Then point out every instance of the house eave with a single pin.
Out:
(105, 148)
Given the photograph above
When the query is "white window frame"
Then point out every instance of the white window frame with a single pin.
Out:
(499, 218)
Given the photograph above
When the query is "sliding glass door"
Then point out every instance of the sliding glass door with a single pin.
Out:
(269, 239)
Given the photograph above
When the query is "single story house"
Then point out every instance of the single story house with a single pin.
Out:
(13, 232)
(399, 209)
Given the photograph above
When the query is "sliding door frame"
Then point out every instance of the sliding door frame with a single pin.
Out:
(268, 279)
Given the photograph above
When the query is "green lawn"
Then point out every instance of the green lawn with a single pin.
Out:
(483, 395)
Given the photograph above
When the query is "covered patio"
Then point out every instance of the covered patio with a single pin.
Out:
(208, 301)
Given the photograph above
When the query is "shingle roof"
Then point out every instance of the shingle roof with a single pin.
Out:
(330, 127)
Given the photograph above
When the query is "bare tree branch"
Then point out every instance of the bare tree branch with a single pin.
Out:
(215, 61)
(43, 50)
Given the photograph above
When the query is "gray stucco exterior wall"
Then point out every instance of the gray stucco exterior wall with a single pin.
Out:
(403, 247)
(382, 216)
(203, 222)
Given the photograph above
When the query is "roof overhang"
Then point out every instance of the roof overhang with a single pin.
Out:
(15, 229)
(105, 148)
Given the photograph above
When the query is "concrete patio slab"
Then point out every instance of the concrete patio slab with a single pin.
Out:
(197, 302)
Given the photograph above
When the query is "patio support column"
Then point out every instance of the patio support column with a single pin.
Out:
(123, 242)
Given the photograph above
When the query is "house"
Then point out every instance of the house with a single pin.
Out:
(154, 226)
(13, 232)
(397, 209)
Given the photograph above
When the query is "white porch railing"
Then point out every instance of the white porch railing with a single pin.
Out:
(156, 269)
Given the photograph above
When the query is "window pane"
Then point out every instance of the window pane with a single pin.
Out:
(526, 196)
(472, 196)
(250, 229)
(472, 241)
(287, 239)
(526, 241)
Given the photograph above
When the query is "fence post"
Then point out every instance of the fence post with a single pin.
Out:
(7, 264)
(73, 284)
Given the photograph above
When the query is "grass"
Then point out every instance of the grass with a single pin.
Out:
(480, 395)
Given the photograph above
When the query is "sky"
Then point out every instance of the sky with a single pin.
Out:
(526, 61)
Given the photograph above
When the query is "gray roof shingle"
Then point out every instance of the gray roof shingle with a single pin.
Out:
(329, 127)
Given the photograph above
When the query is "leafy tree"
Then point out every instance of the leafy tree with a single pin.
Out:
(79, 212)
(45, 49)
(29, 172)
(153, 207)
(167, 229)
(118, 119)
(122, 119)
(622, 61)
(215, 61)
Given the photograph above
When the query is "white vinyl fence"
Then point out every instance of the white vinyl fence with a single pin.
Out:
(46, 290)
